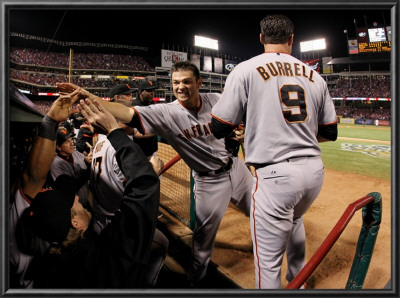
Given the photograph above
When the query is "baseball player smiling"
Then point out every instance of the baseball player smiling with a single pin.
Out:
(185, 123)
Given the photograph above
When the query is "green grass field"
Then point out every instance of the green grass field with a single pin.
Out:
(363, 154)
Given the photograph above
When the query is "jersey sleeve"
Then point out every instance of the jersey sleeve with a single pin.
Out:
(232, 105)
(58, 168)
(149, 119)
(328, 113)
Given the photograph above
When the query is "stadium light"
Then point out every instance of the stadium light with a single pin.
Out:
(313, 45)
(205, 42)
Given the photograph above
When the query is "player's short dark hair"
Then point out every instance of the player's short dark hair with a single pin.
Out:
(276, 29)
(186, 65)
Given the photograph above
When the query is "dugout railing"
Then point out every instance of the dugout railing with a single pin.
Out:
(371, 205)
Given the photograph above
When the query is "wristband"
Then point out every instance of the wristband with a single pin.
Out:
(48, 129)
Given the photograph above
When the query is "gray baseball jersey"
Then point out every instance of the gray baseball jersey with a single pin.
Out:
(20, 261)
(107, 180)
(189, 133)
(74, 168)
(285, 101)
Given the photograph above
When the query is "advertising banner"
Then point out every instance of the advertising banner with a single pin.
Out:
(168, 58)
(347, 120)
(326, 68)
(353, 46)
(229, 66)
(195, 59)
(207, 64)
(218, 65)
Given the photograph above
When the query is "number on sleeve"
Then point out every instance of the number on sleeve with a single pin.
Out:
(294, 103)
(97, 163)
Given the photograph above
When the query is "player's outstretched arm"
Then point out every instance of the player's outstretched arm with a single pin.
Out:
(42, 152)
(102, 120)
(122, 113)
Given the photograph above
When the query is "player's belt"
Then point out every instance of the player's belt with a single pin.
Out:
(225, 168)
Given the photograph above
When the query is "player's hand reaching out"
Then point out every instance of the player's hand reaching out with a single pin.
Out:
(66, 87)
(62, 108)
(88, 156)
(102, 120)
(70, 87)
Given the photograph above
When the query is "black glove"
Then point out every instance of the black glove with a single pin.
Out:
(231, 144)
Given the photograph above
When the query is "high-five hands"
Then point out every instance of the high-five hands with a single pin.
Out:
(102, 120)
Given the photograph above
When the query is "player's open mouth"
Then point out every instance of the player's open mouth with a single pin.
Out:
(183, 94)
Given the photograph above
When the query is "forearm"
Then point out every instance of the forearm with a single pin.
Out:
(40, 158)
(120, 112)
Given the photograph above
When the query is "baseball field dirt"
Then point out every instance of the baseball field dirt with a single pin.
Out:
(232, 255)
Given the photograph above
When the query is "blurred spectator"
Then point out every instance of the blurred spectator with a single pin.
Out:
(362, 86)
(81, 60)
(368, 113)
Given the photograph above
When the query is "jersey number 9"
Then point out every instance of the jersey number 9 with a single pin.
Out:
(293, 103)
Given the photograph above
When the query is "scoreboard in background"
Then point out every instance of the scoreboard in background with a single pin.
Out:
(374, 47)
(372, 40)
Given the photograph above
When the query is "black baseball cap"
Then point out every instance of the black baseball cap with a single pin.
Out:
(147, 85)
(62, 135)
(119, 90)
(49, 214)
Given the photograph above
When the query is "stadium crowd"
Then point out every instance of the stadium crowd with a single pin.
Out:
(367, 113)
(50, 79)
(365, 86)
(80, 60)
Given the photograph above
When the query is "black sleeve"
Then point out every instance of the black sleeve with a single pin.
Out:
(84, 135)
(328, 132)
(220, 129)
(133, 228)
(135, 122)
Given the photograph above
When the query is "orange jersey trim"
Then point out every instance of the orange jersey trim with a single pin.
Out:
(140, 120)
(223, 121)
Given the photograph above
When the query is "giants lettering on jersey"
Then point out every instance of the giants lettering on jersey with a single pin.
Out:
(196, 131)
(284, 69)
(99, 146)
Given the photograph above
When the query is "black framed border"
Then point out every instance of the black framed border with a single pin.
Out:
(244, 7)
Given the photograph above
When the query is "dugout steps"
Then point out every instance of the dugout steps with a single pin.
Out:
(173, 275)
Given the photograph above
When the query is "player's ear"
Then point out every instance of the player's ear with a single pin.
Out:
(290, 40)
(261, 39)
(199, 83)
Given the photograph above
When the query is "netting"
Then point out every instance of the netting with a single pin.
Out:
(175, 185)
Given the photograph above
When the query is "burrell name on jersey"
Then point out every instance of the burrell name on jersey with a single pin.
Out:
(287, 101)
(285, 69)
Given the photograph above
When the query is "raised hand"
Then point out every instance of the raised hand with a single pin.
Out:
(102, 120)
(62, 108)
(66, 87)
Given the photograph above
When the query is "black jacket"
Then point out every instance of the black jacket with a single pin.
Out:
(84, 135)
(117, 257)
